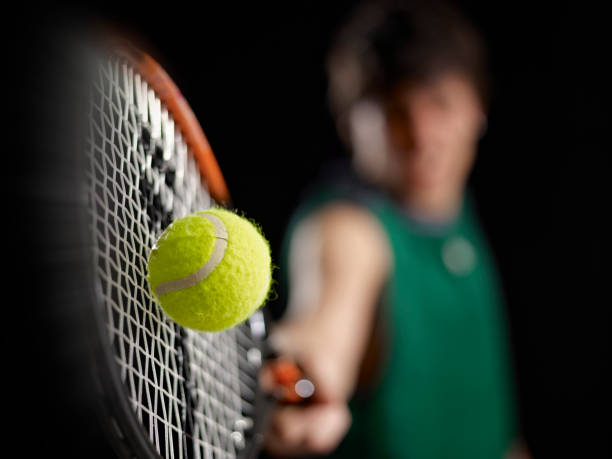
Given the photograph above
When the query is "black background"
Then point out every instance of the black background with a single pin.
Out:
(254, 74)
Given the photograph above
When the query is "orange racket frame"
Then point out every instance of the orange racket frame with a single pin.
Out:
(184, 117)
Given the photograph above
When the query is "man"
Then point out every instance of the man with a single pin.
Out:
(394, 307)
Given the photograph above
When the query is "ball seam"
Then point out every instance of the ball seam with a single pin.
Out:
(207, 268)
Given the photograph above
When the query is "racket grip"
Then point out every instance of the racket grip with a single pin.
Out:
(292, 386)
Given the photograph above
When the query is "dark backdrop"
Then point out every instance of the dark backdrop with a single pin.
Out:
(254, 75)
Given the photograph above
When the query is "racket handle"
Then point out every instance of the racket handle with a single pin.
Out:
(292, 386)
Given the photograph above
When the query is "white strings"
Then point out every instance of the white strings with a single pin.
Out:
(192, 392)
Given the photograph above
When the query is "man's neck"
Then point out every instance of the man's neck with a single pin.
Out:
(434, 207)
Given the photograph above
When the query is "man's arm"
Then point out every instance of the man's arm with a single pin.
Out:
(339, 259)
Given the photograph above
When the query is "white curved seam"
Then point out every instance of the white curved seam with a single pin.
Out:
(208, 267)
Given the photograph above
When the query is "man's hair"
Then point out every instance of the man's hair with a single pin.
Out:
(391, 42)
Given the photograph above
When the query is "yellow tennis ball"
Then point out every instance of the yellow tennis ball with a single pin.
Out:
(210, 270)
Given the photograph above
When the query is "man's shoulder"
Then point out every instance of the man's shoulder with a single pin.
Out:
(337, 182)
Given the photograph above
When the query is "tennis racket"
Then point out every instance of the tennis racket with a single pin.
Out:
(193, 394)
(160, 390)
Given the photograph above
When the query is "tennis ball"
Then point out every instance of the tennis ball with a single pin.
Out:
(210, 270)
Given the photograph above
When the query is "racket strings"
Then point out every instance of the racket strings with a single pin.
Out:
(192, 392)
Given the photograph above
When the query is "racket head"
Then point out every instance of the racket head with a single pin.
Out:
(116, 166)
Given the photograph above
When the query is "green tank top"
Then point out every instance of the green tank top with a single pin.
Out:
(446, 388)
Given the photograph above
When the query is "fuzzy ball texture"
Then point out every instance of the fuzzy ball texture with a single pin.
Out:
(232, 291)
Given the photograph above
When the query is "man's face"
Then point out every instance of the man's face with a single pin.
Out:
(433, 130)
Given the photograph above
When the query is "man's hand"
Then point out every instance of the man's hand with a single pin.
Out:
(305, 430)
(315, 426)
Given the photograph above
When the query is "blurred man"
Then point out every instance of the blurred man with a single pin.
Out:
(394, 306)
